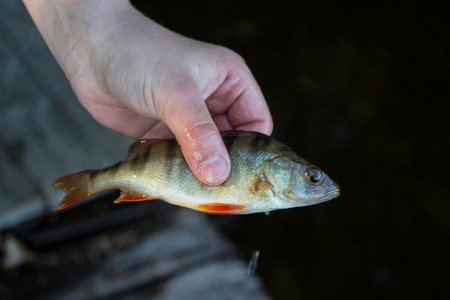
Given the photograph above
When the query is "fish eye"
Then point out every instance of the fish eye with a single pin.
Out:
(314, 175)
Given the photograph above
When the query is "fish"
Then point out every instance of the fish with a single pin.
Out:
(266, 175)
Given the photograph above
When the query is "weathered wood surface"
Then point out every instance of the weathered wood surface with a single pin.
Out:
(45, 133)
(186, 259)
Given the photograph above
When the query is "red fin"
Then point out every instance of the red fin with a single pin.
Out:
(219, 208)
(75, 186)
(141, 144)
(132, 196)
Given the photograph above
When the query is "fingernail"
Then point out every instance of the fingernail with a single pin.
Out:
(213, 170)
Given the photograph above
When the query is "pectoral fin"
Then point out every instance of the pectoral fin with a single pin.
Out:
(261, 184)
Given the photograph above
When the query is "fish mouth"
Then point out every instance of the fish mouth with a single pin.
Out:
(337, 189)
(334, 191)
(331, 195)
(328, 191)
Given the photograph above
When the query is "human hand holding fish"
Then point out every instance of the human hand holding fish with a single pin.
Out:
(139, 78)
(136, 77)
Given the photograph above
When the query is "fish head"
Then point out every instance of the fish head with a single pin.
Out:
(297, 182)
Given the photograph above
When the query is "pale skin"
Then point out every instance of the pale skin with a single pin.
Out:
(137, 77)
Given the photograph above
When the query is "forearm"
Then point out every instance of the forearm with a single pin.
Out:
(72, 28)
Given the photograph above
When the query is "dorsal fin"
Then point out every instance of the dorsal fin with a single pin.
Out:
(141, 144)
(237, 133)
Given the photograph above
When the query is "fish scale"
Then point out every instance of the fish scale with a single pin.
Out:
(265, 175)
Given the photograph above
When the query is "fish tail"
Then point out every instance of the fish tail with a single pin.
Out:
(76, 187)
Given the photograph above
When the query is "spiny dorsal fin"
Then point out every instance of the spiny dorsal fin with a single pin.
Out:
(237, 133)
(141, 144)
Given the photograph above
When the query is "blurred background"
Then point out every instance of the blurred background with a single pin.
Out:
(361, 89)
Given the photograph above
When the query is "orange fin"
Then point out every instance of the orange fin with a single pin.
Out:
(141, 144)
(219, 208)
(75, 186)
(132, 196)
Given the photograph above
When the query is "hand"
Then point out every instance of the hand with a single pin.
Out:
(139, 78)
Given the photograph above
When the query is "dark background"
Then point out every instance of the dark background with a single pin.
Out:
(358, 88)
(361, 90)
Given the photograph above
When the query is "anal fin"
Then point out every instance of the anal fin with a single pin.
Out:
(132, 196)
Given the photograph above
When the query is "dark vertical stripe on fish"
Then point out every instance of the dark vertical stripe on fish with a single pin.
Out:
(134, 159)
(143, 156)
(169, 156)
(137, 158)
(111, 170)
(92, 175)
(229, 141)
(260, 142)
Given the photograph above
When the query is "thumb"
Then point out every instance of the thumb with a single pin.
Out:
(188, 118)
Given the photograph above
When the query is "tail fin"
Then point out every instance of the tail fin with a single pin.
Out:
(75, 186)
